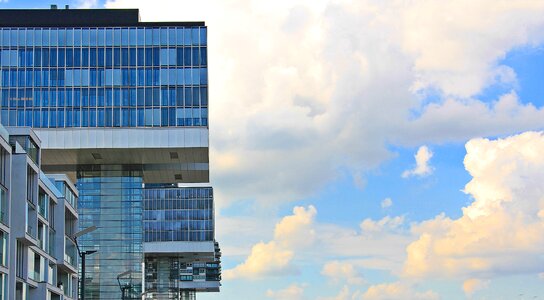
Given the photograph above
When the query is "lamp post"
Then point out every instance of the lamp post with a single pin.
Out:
(124, 287)
(83, 256)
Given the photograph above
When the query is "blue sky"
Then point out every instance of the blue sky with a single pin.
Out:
(318, 108)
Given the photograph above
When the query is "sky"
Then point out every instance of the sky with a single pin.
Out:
(372, 149)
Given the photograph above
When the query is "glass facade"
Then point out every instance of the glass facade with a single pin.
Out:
(164, 275)
(136, 75)
(104, 77)
(110, 198)
(178, 214)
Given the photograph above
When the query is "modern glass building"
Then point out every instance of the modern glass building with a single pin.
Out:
(121, 108)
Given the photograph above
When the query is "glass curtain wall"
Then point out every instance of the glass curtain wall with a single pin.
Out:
(178, 214)
(104, 77)
(110, 198)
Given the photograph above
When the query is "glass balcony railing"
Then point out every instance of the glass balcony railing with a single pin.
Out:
(70, 252)
(3, 206)
(29, 230)
(51, 249)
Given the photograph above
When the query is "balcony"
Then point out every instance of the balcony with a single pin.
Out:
(70, 251)
(29, 230)
(3, 206)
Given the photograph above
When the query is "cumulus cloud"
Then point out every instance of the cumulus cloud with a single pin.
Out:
(501, 231)
(397, 290)
(387, 202)
(473, 284)
(292, 292)
(274, 257)
(287, 119)
(422, 168)
(342, 272)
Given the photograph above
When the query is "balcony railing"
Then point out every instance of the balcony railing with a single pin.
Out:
(70, 251)
(29, 230)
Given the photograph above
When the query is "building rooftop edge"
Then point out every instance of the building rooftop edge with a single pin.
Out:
(81, 18)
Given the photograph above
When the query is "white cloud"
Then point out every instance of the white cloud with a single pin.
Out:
(457, 44)
(285, 120)
(274, 257)
(385, 224)
(87, 4)
(342, 272)
(473, 284)
(292, 292)
(422, 168)
(501, 231)
(380, 244)
(397, 290)
(387, 202)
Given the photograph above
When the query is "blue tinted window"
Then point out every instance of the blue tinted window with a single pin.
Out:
(203, 36)
(187, 37)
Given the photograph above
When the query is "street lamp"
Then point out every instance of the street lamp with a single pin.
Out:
(83, 255)
(126, 286)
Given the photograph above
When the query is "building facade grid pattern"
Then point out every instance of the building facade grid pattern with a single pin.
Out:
(178, 214)
(104, 77)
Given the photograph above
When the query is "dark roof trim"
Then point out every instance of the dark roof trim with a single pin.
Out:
(79, 18)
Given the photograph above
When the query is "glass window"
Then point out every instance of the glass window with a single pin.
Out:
(195, 36)
(100, 57)
(187, 76)
(132, 57)
(62, 37)
(93, 57)
(54, 36)
(61, 57)
(77, 57)
(116, 117)
(117, 37)
(140, 56)
(124, 36)
(172, 56)
(84, 57)
(187, 37)
(117, 77)
(116, 57)
(203, 76)
(164, 57)
(109, 37)
(101, 37)
(45, 37)
(77, 37)
(29, 41)
(124, 57)
(195, 56)
(93, 37)
(132, 37)
(148, 36)
(69, 37)
(85, 37)
(69, 57)
(109, 57)
(156, 37)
